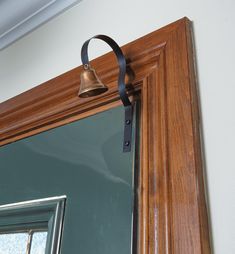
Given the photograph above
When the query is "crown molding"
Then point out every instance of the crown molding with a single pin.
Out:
(17, 20)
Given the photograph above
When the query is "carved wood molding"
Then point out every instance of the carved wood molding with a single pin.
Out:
(172, 207)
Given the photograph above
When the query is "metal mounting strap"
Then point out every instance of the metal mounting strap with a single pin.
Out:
(121, 85)
(128, 128)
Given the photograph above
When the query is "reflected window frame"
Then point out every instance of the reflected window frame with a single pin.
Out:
(34, 216)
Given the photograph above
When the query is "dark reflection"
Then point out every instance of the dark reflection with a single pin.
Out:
(84, 161)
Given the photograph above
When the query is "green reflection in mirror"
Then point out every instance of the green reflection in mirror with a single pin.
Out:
(84, 161)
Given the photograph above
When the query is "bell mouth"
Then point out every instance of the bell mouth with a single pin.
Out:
(92, 92)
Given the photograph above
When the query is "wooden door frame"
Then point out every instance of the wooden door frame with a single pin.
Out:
(172, 206)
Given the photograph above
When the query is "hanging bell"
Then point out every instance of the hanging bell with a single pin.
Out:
(90, 84)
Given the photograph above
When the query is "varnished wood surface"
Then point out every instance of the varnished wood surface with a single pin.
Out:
(172, 207)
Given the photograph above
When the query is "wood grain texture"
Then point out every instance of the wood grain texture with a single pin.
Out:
(172, 207)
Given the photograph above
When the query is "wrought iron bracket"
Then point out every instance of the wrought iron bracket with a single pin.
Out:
(128, 107)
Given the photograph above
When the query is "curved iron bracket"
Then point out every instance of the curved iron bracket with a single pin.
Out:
(121, 85)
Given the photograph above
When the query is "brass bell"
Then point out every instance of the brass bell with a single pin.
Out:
(90, 84)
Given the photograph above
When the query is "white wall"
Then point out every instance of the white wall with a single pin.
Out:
(55, 48)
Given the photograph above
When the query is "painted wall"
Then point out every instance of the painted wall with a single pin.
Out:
(55, 48)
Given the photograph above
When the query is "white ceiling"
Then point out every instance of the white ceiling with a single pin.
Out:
(19, 17)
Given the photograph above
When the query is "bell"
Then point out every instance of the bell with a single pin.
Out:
(90, 84)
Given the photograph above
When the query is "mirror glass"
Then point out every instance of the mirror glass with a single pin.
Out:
(84, 161)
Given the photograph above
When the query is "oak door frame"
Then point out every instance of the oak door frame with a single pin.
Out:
(172, 213)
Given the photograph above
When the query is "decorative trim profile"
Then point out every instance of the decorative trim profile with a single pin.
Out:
(29, 17)
(172, 213)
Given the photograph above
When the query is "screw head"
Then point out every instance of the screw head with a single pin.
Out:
(128, 122)
(127, 143)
